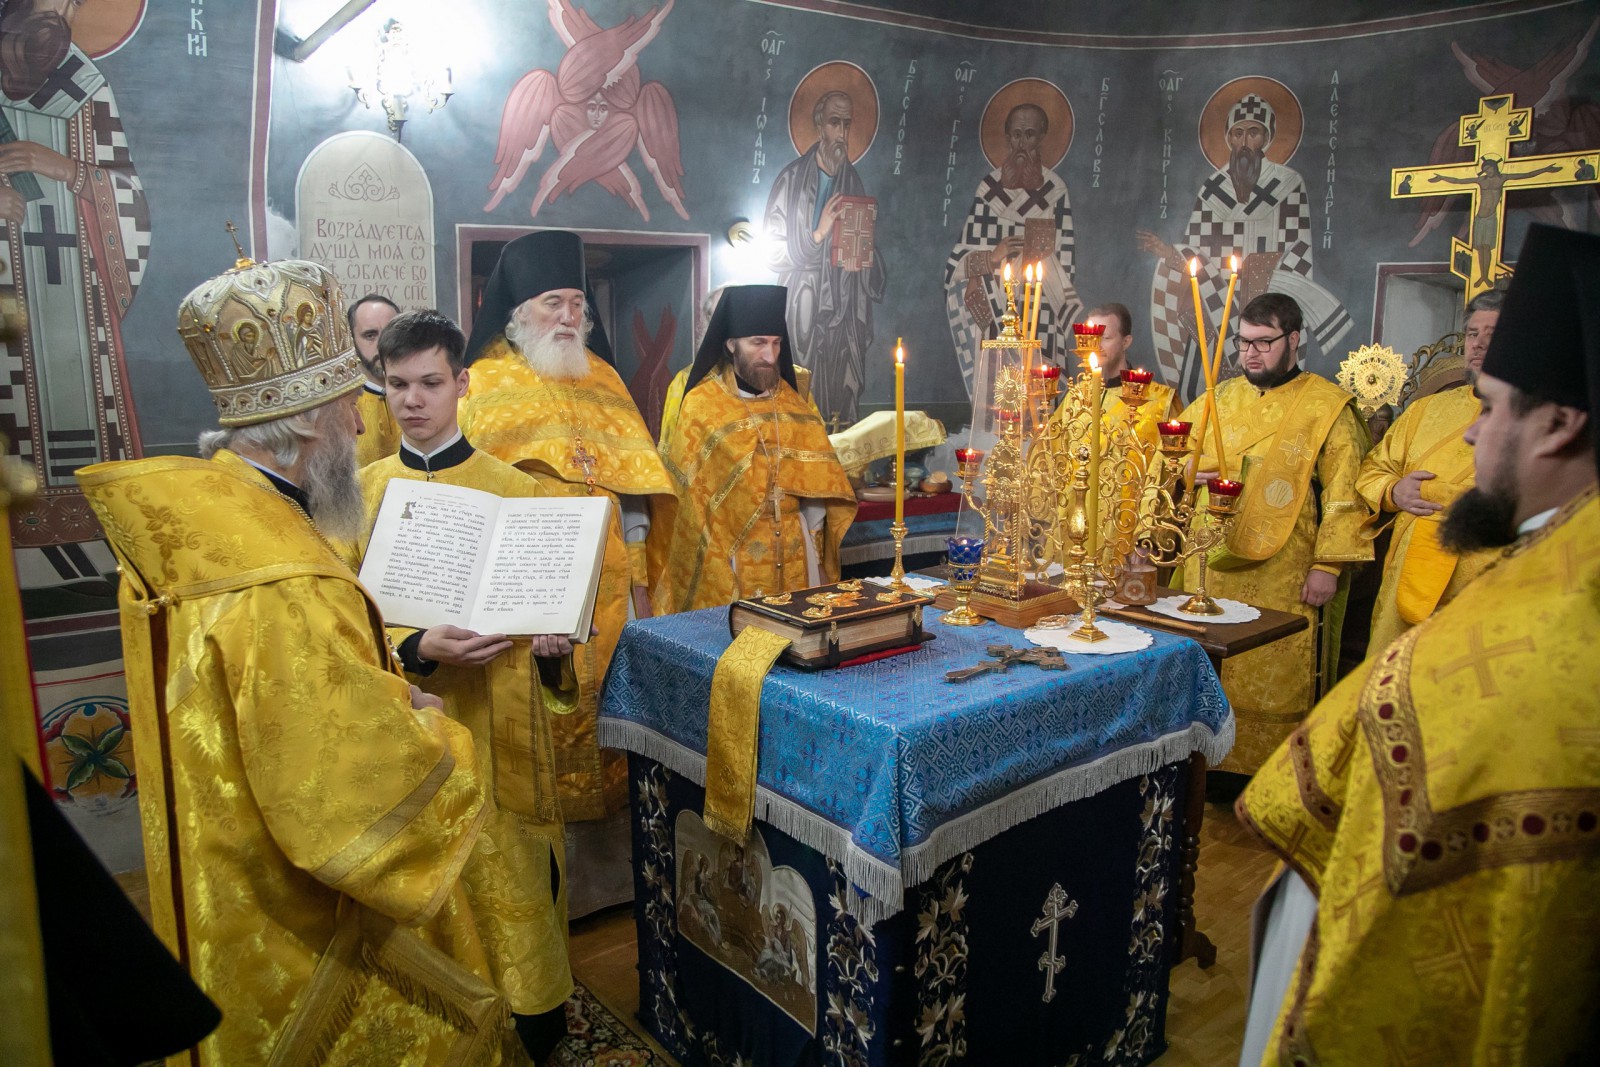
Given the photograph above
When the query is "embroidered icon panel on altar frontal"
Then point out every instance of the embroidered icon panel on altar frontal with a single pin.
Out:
(758, 921)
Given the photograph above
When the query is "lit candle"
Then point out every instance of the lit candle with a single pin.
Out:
(1027, 296)
(969, 455)
(1138, 375)
(1046, 371)
(1200, 331)
(899, 431)
(1225, 487)
(1098, 393)
(1038, 293)
(1216, 359)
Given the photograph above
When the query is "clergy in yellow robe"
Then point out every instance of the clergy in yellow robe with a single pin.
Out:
(367, 317)
(1443, 803)
(1419, 574)
(306, 816)
(1299, 519)
(545, 403)
(762, 500)
(490, 683)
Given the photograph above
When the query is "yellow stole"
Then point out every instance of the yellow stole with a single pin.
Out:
(1276, 486)
(1428, 565)
(722, 453)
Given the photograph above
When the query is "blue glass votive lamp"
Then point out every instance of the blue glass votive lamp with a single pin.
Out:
(965, 555)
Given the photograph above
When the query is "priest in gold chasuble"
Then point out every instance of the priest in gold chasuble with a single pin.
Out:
(1300, 442)
(306, 812)
(1419, 467)
(501, 688)
(1439, 812)
(544, 398)
(762, 500)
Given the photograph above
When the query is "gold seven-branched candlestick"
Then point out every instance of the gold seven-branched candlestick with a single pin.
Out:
(1174, 532)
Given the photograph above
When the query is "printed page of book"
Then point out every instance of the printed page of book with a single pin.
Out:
(543, 567)
(427, 552)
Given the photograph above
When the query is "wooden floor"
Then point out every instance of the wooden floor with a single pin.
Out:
(1205, 1018)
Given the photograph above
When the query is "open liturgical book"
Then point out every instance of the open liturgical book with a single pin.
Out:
(519, 566)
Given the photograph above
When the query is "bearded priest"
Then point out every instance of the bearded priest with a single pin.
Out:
(1439, 812)
(304, 808)
(1299, 522)
(762, 500)
(544, 398)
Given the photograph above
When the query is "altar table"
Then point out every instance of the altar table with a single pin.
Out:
(985, 870)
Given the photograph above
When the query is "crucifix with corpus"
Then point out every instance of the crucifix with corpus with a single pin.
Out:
(1489, 133)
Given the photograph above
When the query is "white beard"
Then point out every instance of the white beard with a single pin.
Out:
(557, 359)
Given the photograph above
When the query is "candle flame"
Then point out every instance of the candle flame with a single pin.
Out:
(1027, 273)
(1194, 267)
(1233, 264)
(900, 351)
(1094, 363)
(1007, 273)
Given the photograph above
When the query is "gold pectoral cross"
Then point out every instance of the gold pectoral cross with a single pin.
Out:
(584, 460)
(1489, 133)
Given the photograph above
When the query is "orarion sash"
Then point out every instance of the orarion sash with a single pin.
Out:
(1277, 484)
(1428, 566)
(733, 733)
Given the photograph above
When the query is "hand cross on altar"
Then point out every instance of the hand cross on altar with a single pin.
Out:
(1003, 656)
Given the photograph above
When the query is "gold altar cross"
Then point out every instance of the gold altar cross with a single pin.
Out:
(835, 422)
(1480, 659)
(1460, 958)
(1057, 906)
(1489, 132)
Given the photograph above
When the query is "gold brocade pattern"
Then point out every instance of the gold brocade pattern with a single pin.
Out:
(730, 457)
(1272, 688)
(273, 738)
(522, 419)
(733, 730)
(381, 438)
(1427, 437)
(508, 877)
(1459, 887)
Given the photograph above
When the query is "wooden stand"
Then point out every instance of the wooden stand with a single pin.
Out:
(1037, 601)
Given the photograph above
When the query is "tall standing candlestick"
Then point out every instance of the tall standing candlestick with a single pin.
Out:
(1098, 394)
(898, 530)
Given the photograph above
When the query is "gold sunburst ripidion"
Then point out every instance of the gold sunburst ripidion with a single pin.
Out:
(1375, 374)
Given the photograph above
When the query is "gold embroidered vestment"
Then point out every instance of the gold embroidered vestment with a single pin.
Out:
(1442, 803)
(535, 424)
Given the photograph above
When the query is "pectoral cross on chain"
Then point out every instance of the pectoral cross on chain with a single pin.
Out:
(584, 460)
(1057, 906)
(1046, 659)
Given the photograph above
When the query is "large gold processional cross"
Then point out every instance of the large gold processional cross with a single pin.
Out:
(1489, 133)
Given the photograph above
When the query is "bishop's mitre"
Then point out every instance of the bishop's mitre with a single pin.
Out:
(270, 339)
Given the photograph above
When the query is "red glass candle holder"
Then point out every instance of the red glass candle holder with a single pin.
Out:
(1223, 495)
(1139, 375)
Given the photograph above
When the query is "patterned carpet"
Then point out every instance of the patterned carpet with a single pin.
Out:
(597, 1038)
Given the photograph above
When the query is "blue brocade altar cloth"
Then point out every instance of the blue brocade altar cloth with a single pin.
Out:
(889, 769)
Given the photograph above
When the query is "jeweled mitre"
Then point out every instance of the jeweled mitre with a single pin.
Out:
(271, 340)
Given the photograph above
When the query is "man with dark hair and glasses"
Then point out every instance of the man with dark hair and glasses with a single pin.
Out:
(1295, 440)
